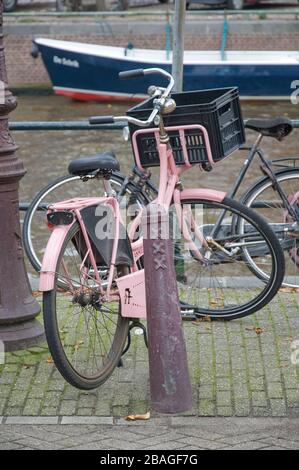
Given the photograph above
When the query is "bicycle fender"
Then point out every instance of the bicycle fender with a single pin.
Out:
(50, 259)
(205, 194)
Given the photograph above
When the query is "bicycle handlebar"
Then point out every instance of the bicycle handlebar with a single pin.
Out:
(158, 102)
(131, 74)
(101, 120)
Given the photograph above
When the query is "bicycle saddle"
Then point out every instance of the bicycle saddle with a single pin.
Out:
(278, 128)
(106, 161)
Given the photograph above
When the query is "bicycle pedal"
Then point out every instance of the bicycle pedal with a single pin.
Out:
(120, 363)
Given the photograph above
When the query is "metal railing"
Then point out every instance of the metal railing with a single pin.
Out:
(105, 14)
(77, 125)
(62, 126)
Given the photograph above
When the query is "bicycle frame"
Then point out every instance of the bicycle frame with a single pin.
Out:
(266, 168)
(134, 304)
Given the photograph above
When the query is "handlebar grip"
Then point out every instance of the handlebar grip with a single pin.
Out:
(101, 120)
(131, 74)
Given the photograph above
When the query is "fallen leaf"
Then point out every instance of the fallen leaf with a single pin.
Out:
(78, 344)
(288, 339)
(206, 318)
(50, 360)
(138, 417)
(36, 293)
(259, 331)
(256, 329)
(288, 290)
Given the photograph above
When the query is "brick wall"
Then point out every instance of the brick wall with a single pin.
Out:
(23, 69)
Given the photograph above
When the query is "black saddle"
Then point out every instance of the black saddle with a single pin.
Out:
(278, 128)
(105, 162)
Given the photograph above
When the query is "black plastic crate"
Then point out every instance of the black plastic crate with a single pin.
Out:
(218, 110)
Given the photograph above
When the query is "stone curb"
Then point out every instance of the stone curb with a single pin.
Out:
(155, 421)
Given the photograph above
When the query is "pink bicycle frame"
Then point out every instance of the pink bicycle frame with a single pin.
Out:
(169, 177)
(168, 192)
(59, 233)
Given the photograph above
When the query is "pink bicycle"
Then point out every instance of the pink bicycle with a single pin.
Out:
(92, 274)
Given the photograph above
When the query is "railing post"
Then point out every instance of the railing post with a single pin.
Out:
(178, 44)
(18, 308)
(169, 378)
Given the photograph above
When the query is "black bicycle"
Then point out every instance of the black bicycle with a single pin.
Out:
(275, 196)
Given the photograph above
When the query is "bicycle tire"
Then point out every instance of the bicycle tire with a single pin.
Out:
(57, 345)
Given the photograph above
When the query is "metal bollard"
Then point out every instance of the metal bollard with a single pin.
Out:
(18, 308)
(169, 377)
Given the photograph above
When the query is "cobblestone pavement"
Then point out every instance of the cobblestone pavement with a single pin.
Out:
(160, 433)
(238, 368)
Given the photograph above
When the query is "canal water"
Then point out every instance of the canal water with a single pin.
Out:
(47, 154)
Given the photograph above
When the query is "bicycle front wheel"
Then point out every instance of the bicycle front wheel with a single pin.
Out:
(216, 279)
(86, 334)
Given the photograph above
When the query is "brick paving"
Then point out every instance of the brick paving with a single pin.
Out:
(234, 372)
(164, 433)
(245, 388)
(246, 393)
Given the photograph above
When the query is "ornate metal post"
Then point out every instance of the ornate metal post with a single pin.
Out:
(18, 308)
(169, 377)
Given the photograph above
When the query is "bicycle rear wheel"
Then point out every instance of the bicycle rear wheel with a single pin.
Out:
(86, 334)
(264, 198)
(221, 284)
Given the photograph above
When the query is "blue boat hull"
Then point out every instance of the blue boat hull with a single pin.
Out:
(85, 76)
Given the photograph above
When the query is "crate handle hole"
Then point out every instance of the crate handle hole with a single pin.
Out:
(224, 109)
